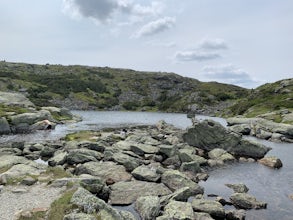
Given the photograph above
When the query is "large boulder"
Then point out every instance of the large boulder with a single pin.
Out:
(15, 99)
(125, 193)
(82, 156)
(106, 170)
(7, 161)
(209, 135)
(246, 201)
(215, 209)
(4, 126)
(31, 118)
(59, 158)
(175, 180)
(130, 163)
(148, 207)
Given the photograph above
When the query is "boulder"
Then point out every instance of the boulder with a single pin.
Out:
(241, 129)
(187, 155)
(141, 149)
(4, 126)
(181, 194)
(7, 161)
(148, 207)
(178, 210)
(209, 135)
(175, 180)
(31, 118)
(142, 138)
(82, 156)
(215, 209)
(105, 170)
(202, 216)
(28, 181)
(125, 193)
(167, 150)
(193, 167)
(42, 125)
(96, 146)
(58, 159)
(271, 161)
(15, 99)
(130, 163)
(238, 188)
(246, 201)
(145, 173)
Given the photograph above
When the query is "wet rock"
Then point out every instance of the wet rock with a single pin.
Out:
(145, 173)
(238, 188)
(125, 193)
(246, 201)
(148, 207)
(130, 163)
(271, 161)
(4, 126)
(174, 179)
(178, 210)
(82, 156)
(215, 209)
(235, 214)
(79, 216)
(105, 170)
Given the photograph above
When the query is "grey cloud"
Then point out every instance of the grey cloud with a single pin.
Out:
(102, 10)
(195, 56)
(228, 74)
(213, 44)
(155, 27)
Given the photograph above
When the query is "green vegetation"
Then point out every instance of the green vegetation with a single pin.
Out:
(82, 136)
(5, 110)
(36, 215)
(61, 206)
(56, 173)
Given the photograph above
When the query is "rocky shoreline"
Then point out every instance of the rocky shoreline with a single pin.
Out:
(158, 169)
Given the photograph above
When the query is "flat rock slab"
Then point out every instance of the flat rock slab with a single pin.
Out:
(105, 170)
(125, 193)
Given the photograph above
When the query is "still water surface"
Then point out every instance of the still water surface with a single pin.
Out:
(271, 186)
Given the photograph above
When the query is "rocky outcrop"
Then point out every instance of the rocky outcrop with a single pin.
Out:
(263, 128)
(209, 135)
(271, 161)
(15, 99)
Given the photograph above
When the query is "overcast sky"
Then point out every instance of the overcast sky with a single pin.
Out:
(241, 42)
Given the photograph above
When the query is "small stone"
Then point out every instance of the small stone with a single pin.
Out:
(238, 188)
(272, 162)
(28, 181)
(19, 190)
(291, 196)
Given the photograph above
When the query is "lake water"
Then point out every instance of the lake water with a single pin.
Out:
(271, 186)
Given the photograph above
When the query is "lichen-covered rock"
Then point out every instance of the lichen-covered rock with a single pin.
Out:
(192, 167)
(59, 158)
(271, 161)
(125, 193)
(178, 210)
(238, 188)
(215, 209)
(174, 179)
(220, 154)
(141, 149)
(148, 207)
(246, 201)
(188, 155)
(105, 170)
(145, 173)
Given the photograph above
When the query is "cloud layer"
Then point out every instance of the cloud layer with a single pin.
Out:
(196, 56)
(228, 74)
(155, 27)
(213, 44)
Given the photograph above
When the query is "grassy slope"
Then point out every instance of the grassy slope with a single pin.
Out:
(104, 88)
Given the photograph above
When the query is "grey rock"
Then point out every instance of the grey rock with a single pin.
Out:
(215, 209)
(130, 163)
(15, 99)
(246, 201)
(105, 170)
(141, 149)
(4, 126)
(202, 216)
(28, 181)
(238, 188)
(58, 159)
(220, 154)
(178, 210)
(125, 193)
(192, 167)
(31, 118)
(82, 156)
(175, 180)
(47, 152)
(181, 194)
(209, 135)
(241, 128)
(168, 150)
(174, 161)
(145, 173)
(187, 155)
(235, 214)
(7, 161)
(99, 146)
(271, 161)
(148, 207)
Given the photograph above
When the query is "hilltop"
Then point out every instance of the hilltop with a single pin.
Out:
(104, 88)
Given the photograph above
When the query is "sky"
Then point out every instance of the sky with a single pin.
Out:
(241, 42)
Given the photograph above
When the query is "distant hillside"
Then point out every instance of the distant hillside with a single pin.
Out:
(104, 88)
(272, 100)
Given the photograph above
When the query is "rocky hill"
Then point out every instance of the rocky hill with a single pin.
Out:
(104, 88)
